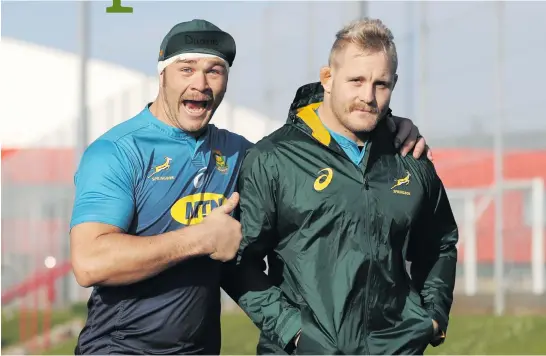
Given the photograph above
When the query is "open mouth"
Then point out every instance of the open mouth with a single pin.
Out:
(195, 107)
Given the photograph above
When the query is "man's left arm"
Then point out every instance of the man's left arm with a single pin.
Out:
(433, 252)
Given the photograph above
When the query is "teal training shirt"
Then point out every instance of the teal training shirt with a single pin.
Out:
(148, 178)
(351, 149)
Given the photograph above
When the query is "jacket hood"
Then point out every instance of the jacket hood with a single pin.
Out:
(308, 94)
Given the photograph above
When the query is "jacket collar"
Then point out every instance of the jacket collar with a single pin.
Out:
(303, 115)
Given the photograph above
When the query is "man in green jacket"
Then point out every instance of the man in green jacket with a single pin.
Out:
(338, 211)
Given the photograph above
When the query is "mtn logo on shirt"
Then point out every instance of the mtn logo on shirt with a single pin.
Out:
(192, 209)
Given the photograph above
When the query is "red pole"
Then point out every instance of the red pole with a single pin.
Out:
(22, 321)
(49, 302)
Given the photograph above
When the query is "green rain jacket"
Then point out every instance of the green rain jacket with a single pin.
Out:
(337, 237)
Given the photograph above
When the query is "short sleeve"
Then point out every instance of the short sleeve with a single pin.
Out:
(104, 187)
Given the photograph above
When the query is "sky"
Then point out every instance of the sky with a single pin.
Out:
(282, 45)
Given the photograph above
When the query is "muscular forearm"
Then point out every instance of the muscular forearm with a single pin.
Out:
(117, 259)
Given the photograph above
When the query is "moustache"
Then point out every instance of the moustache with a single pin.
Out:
(202, 97)
(366, 108)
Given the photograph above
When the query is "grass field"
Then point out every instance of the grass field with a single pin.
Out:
(468, 335)
(11, 329)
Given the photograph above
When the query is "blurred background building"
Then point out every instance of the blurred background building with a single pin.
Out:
(469, 72)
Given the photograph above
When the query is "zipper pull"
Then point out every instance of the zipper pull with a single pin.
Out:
(366, 185)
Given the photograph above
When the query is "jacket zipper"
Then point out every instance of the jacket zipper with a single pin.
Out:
(366, 187)
(368, 278)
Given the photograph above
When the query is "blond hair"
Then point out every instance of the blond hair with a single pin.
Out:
(370, 35)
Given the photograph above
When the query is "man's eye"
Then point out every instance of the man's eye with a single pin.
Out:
(185, 69)
(218, 71)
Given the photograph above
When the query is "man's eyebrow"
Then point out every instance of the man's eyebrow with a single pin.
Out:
(218, 63)
(187, 61)
(384, 78)
(193, 61)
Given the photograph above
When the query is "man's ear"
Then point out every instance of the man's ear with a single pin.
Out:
(326, 78)
(162, 78)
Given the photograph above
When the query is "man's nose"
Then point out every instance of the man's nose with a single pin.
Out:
(367, 93)
(200, 82)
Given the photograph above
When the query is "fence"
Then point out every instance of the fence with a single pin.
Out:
(519, 274)
(523, 237)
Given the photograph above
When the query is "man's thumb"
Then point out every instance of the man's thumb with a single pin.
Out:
(230, 204)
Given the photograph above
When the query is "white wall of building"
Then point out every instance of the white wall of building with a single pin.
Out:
(39, 95)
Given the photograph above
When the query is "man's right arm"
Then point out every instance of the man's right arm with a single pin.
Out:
(102, 252)
(103, 255)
